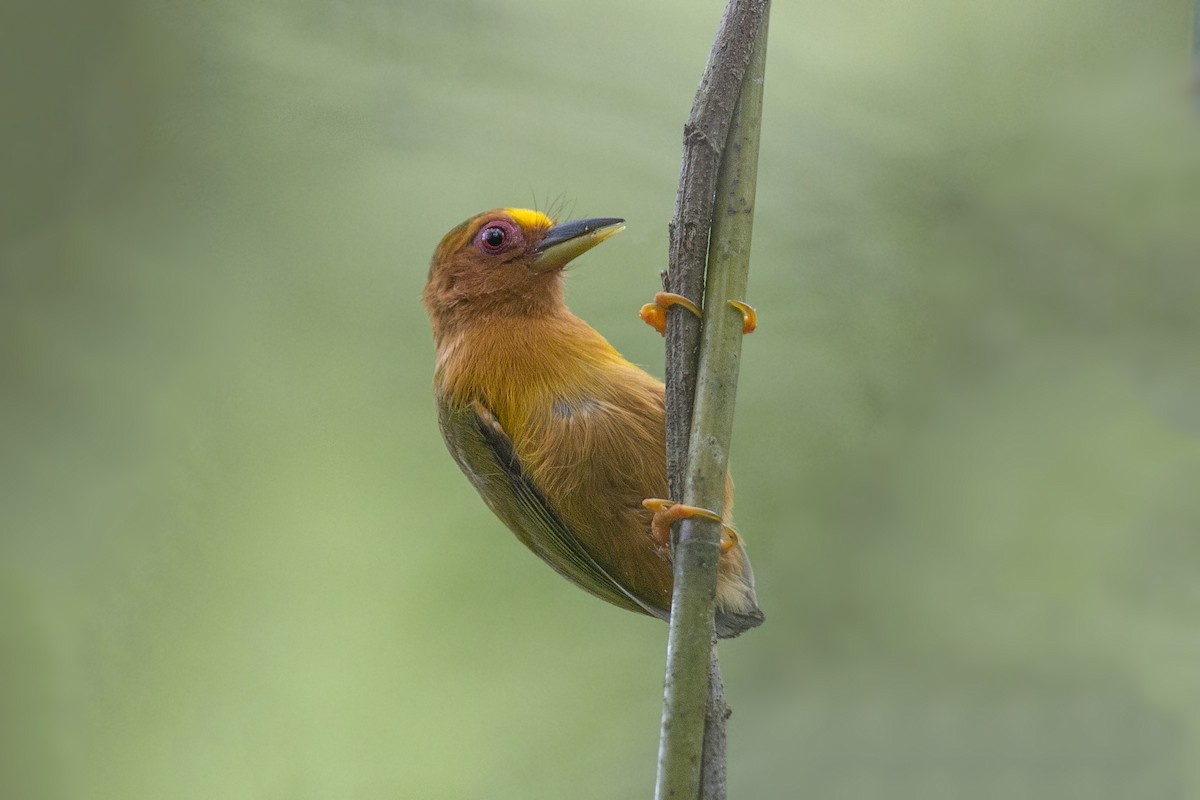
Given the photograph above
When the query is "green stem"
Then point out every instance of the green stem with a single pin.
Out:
(681, 746)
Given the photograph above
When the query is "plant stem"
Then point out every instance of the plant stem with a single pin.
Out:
(690, 645)
(704, 137)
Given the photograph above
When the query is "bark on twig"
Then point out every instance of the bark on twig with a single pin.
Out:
(692, 743)
(717, 712)
(704, 137)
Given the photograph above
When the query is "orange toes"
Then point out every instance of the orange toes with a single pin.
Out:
(655, 317)
(656, 505)
(655, 314)
(749, 316)
(667, 513)
(673, 512)
(729, 539)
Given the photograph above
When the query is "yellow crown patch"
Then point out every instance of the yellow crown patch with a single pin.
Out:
(529, 220)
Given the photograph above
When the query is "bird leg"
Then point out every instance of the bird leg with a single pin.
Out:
(655, 314)
(667, 513)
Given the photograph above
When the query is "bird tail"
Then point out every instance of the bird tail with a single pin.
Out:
(737, 603)
(731, 625)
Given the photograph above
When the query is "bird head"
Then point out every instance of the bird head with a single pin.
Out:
(506, 262)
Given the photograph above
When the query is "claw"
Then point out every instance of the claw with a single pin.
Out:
(749, 316)
(729, 539)
(666, 513)
(655, 314)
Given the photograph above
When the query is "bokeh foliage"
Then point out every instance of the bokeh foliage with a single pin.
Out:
(235, 561)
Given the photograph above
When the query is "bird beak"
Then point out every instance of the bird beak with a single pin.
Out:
(564, 242)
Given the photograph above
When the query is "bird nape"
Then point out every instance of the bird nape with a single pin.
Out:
(562, 437)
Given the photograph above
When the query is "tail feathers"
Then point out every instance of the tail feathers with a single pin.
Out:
(732, 624)
(737, 603)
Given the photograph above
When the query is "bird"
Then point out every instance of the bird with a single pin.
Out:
(562, 437)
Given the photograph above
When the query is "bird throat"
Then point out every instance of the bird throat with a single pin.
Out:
(514, 367)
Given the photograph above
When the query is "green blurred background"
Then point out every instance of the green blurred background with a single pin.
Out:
(236, 562)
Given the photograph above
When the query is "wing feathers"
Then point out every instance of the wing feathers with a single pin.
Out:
(486, 454)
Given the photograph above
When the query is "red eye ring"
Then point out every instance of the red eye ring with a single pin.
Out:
(497, 236)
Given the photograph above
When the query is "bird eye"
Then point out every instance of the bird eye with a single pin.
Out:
(493, 238)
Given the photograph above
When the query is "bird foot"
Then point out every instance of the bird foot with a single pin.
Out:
(749, 316)
(655, 314)
(667, 513)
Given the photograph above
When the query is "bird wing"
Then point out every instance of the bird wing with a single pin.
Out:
(487, 456)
